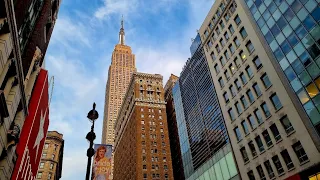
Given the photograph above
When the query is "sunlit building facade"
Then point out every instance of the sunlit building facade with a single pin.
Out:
(263, 58)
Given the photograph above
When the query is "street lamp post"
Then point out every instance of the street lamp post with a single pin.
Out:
(91, 136)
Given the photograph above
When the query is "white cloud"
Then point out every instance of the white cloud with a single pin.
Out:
(116, 7)
(68, 33)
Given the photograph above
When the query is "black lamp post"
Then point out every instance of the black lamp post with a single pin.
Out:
(92, 116)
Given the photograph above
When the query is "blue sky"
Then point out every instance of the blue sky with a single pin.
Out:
(79, 55)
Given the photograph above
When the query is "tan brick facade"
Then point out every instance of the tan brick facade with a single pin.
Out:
(142, 148)
(50, 166)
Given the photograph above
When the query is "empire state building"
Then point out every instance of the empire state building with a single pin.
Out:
(120, 71)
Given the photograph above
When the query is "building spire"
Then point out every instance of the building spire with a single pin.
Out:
(121, 33)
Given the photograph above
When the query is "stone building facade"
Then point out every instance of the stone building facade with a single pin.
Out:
(265, 67)
(142, 147)
(25, 31)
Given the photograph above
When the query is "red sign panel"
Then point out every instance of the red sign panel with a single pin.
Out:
(34, 131)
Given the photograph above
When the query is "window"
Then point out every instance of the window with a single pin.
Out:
(231, 29)
(222, 42)
(226, 35)
(267, 138)
(231, 114)
(238, 85)
(142, 116)
(226, 17)
(39, 175)
(227, 55)
(217, 69)
(52, 156)
(244, 34)
(51, 165)
(232, 49)
(206, 33)
(269, 169)
(265, 79)
(237, 133)
(237, 62)
(44, 155)
(252, 121)
(250, 96)
(221, 82)
(232, 91)
(238, 107)
(275, 132)
(209, 43)
(244, 154)
(213, 56)
(55, 147)
(251, 175)
(49, 176)
(243, 55)
(145, 176)
(261, 172)
(265, 109)
(287, 159)
(258, 115)
(244, 102)
(257, 62)
(226, 74)
(226, 97)
(41, 165)
(259, 143)
(221, 24)
(277, 164)
(245, 127)
(142, 121)
(222, 61)
(301, 154)
(249, 72)
(275, 101)
(257, 89)
(243, 78)
(286, 124)
(250, 47)
(46, 146)
(236, 42)
(237, 20)
(144, 166)
(232, 68)
(252, 149)
(164, 159)
(217, 31)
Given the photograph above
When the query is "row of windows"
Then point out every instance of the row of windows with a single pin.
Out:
(266, 136)
(39, 175)
(150, 110)
(217, 16)
(41, 165)
(44, 155)
(278, 164)
(156, 176)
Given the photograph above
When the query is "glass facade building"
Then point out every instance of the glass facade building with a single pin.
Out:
(204, 141)
(291, 29)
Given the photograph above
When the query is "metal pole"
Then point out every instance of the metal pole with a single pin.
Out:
(90, 151)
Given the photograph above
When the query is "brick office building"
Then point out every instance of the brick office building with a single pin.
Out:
(142, 148)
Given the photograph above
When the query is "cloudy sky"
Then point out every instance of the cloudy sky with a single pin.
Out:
(79, 54)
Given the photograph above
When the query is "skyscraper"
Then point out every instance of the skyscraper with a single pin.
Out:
(264, 59)
(120, 71)
(50, 166)
(205, 148)
(142, 148)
